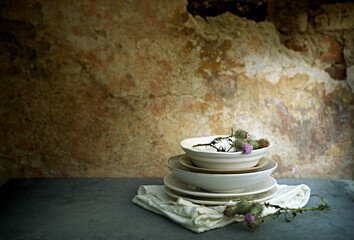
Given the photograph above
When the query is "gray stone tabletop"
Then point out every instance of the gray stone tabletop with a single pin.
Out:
(102, 208)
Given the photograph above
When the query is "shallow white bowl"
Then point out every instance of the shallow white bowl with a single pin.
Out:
(220, 182)
(208, 157)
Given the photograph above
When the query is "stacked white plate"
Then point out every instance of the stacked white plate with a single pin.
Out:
(202, 184)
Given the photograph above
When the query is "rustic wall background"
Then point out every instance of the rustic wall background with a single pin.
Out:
(109, 89)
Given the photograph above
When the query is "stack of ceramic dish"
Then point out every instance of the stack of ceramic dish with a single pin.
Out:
(207, 177)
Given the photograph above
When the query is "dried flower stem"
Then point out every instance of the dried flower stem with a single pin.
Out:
(294, 211)
(214, 142)
(252, 212)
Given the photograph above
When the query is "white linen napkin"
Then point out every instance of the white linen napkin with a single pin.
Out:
(199, 218)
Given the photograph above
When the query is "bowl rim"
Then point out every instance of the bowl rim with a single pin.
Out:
(229, 154)
(271, 161)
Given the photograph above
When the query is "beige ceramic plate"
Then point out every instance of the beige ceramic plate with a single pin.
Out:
(187, 162)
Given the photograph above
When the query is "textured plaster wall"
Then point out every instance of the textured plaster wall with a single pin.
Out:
(109, 89)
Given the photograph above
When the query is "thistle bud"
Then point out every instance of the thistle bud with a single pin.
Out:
(238, 145)
(256, 209)
(254, 143)
(241, 134)
(242, 207)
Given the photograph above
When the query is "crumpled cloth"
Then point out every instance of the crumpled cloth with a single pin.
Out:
(199, 218)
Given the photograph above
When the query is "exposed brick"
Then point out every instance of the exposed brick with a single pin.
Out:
(337, 71)
(298, 44)
(332, 51)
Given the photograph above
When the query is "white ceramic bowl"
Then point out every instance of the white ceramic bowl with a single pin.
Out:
(208, 157)
(220, 182)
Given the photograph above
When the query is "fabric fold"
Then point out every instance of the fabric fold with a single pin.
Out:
(199, 218)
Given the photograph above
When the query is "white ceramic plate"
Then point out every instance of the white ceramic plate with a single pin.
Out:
(260, 197)
(187, 162)
(220, 183)
(174, 183)
(208, 157)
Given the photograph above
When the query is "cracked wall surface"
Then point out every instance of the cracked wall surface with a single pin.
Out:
(110, 89)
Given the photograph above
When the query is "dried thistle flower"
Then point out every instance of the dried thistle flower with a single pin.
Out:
(263, 143)
(229, 211)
